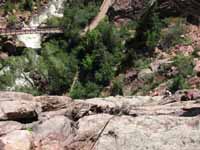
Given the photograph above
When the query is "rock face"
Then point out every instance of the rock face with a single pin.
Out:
(134, 9)
(112, 123)
(17, 107)
(128, 8)
(17, 140)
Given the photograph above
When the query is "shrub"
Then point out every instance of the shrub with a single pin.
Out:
(89, 90)
(12, 20)
(78, 91)
(184, 65)
(141, 63)
(153, 33)
(196, 52)
(172, 36)
(75, 22)
(148, 31)
(9, 6)
(178, 83)
(117, 88)
(54, 21)
(59, 66)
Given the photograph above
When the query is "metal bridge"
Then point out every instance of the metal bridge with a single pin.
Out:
(40, 30)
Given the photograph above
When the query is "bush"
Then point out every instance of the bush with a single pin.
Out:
(26, 5)
(89, 90)
(172, 36)
(153, 33)
(75, 22)
(22, 5)
(54, 21)
(117, 88)
(184, 65)
(59, 67)
(78, 91)
(196, 52)
(9, 6)
(141, 63)
(178, 83)
(12, 20)
(147, 32)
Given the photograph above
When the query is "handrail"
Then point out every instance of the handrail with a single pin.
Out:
(40, 30)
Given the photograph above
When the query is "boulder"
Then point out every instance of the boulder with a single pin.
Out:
(146, 132)
(135, 9)
(14, 96)
(3, 56)
(9, 126)
(110, 123)
(59, 125)
(145, 74)
(110, 105)
(17, 140)
(51, 114)
(50, 103)
(52, 133)
(51, 142)
(155, 66)
(18, 106)
(20, 110)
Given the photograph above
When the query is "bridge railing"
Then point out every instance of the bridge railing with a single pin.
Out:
(40, 30)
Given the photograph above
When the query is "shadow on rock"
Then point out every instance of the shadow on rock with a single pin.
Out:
(192, 112)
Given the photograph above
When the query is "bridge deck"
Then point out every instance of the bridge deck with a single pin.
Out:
(43, 30)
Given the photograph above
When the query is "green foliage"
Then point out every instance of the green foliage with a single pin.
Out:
(74, 22)
(13, 68)
(9, 6)
(178, 83)
(88, 62)
(78, 91)
(12, 20)
(117, 88)
(29, 129)
(54, 21)
(141, 63)
(149, 85)
(96, 57)
(22, 5)
(104, 53)
(89, 90)
(172, 36)
(196, 52)
(60, 67)
(6, 80)
(26, 5)
(52, 72)
(99, 54)
(148, 31)
(153, 33)
(184, 65)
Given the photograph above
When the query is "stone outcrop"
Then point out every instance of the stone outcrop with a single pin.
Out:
(19, 139)
(134, 9)
(125, 123)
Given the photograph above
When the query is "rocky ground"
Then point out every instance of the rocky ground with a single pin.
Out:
(112, 123)
(161, 120)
